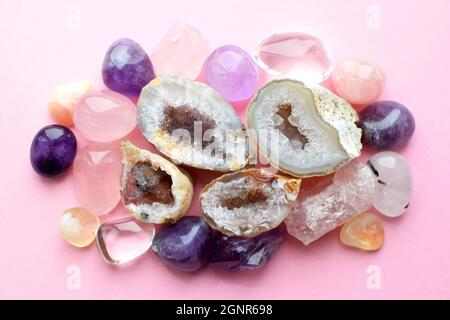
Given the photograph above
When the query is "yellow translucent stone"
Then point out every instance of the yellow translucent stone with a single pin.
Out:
(365, 232)
(78, 227)
(64, 99)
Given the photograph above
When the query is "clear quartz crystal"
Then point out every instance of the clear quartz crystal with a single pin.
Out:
(124, 240)
(296, 55)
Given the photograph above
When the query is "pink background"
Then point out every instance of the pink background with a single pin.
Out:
(40, 50)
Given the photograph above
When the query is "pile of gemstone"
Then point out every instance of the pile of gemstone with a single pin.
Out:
(311, 182)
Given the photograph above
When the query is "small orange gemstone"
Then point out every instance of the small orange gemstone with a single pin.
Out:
(365, 232)
(78, 227)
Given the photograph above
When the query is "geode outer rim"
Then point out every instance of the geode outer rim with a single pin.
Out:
(325, 103)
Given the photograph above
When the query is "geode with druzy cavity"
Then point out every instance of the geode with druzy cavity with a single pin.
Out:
(304, 131)
(153, 189)
(192, 124)
(249, 202)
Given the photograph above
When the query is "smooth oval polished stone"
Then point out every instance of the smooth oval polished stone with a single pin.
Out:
(395, 180)
(104, 116)
(357, 81)
(183, 245)
(127, 68)
(365, 232)
(232, 72)
(96, 175)
(386, 125)
(78, 227)
(236, 253)
(53, 150)
(295, 55)
(123, 240)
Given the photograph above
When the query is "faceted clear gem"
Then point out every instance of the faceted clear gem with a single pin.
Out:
(124, 240)
(96, 174)
(328, 202)
(232, 71)
(183, 245)
(104, 116)
(395, 183)
(386, 125)
(357, 81)
(53, 150)
(64, 99)
(365, 232)
(78, 227)
(236, 253)
(127, 68)
(295, 55)
(181, 52)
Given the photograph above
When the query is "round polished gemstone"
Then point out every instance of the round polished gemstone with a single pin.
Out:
(395, 179)
(365, 232)
(183, 245)
(123, 240)
(96, 174)
(232, 72)
(78, 226)
(236, 253)
(53, 150)
(104, 116)
(126, 67)
(181, 52)
(359, 82)
(295, 55)
(386, 125)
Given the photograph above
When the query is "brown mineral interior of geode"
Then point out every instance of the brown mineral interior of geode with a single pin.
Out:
(244, 198)
(185, 117)
(147, 185)
(287, 129)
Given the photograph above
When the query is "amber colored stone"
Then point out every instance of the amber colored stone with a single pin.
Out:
(78, 226)
(365, 232)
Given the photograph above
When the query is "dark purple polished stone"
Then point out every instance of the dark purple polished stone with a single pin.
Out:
(236, 253)
(183, 245)
(386, 125)
(127, 68)
(53, 150)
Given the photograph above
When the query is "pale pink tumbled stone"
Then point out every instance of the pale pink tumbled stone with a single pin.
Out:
(181, 52)
(96, 173)
(359, 82)
(104, 116)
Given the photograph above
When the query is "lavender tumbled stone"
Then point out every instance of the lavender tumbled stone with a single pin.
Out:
(183, 245)
(53, 150)
(386, 125)
(236, 253)
(127, 68)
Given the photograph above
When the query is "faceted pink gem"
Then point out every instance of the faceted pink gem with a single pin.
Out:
(104, 116)
(359, 82)
(124, 240)
(181, 52)
(296, 55)
(96, 173)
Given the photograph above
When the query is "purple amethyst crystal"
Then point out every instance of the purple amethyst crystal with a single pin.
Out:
(127, 68)
(236, 253)
(386, 125)
(183, 244)
(53, 150)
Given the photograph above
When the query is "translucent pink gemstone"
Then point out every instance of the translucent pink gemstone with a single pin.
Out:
(104, 116)
(296, 55)
(359, 82)
(181, 52)
(124, 240)
(96, 174)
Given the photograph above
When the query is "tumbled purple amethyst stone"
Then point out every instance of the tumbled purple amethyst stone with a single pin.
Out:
(183, 245)
(386, 125)
(53, 150)
(127, 68)
(236, 253)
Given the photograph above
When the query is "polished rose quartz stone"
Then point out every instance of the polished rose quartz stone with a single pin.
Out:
(104, 116)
